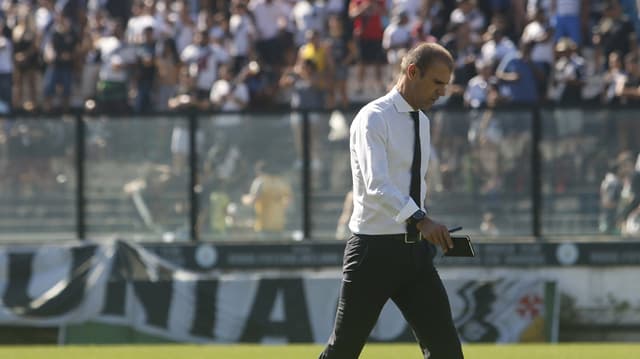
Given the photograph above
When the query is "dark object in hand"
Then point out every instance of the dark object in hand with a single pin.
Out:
(462, 247)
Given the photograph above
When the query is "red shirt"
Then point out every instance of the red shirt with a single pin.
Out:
(368, 25)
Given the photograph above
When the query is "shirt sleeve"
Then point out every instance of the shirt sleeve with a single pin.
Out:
(371, 154)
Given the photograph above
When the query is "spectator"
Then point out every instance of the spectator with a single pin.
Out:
(44, 16)
(89, 56)
(224, 172)
(6, 71)
(112, 88)
(614, 79)
(610, 190)
(270, 18)
(570, 19)
(59, 56)
(313, 49)
(146, 71)
(184, 28)
(242, 36)
(459, 42)
(567, 73)
(481, 91)
(518, 75)
(307, 95)
(270, 195)
(396, 40)
(263, 86)
(368, 32)
(628, 211)
(218, 26)
(538, 32)
(168, 73)
(341, 53)
(144, 16)
(615, 31)
(467, 12)
(308, 15)
(229, 94)
(201, 60)
(631, 85)
(26, 59)
(434, 18)
(498, 45)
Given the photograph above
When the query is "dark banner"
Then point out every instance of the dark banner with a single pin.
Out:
(329, 254)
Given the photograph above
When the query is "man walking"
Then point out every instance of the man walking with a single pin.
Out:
(390, 254)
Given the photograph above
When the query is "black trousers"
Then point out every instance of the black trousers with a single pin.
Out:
(379, 267)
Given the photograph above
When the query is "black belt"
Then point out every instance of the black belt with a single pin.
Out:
(407, 238)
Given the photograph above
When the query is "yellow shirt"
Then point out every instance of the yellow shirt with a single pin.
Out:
(271, 203)
(309, 51)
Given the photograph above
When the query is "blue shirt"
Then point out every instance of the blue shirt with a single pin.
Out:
(525, 89)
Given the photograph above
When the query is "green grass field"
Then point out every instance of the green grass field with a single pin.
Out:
(372, 351)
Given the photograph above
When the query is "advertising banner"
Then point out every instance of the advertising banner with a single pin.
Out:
(123, 285)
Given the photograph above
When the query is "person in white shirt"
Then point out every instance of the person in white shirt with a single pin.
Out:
(396, 39)
(467, 12)
(308, 15)
(390, 254)
(184, 26)
(269, 17)
(480, 88)
(116, 56)
(144, 16)
(498, 46)
(242, 35)
(227, 94)
(201, 59)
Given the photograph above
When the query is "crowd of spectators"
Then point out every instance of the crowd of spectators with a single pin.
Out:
(136, 56)
(144, 55)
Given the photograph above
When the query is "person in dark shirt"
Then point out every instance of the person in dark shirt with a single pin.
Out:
(59, 57)
(614, 31)
(146, 71)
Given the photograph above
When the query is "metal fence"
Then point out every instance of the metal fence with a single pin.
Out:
(186, 176)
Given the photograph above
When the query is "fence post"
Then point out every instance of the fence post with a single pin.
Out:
(193, 172)
(536, 173)
(80, 176)
(306, 176)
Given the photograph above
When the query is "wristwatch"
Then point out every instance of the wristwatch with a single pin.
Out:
(416, 217)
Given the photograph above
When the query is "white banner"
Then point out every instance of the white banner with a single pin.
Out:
(124, 284)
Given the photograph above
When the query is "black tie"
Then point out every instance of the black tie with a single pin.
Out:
(414, 190)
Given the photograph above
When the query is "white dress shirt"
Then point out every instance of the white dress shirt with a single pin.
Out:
(381, 145)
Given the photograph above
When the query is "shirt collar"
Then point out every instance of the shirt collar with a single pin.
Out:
(399, 102)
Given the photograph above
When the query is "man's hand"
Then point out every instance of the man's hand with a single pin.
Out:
(435, 233)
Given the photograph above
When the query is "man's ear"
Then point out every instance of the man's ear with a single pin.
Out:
(412, 71)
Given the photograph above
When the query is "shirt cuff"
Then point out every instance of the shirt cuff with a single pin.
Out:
(406, 211)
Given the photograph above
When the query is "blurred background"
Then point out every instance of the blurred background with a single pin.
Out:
(143, 139)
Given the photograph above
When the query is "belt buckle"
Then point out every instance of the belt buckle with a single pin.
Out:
(409, 240)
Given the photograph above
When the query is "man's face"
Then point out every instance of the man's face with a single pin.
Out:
(428, 85)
